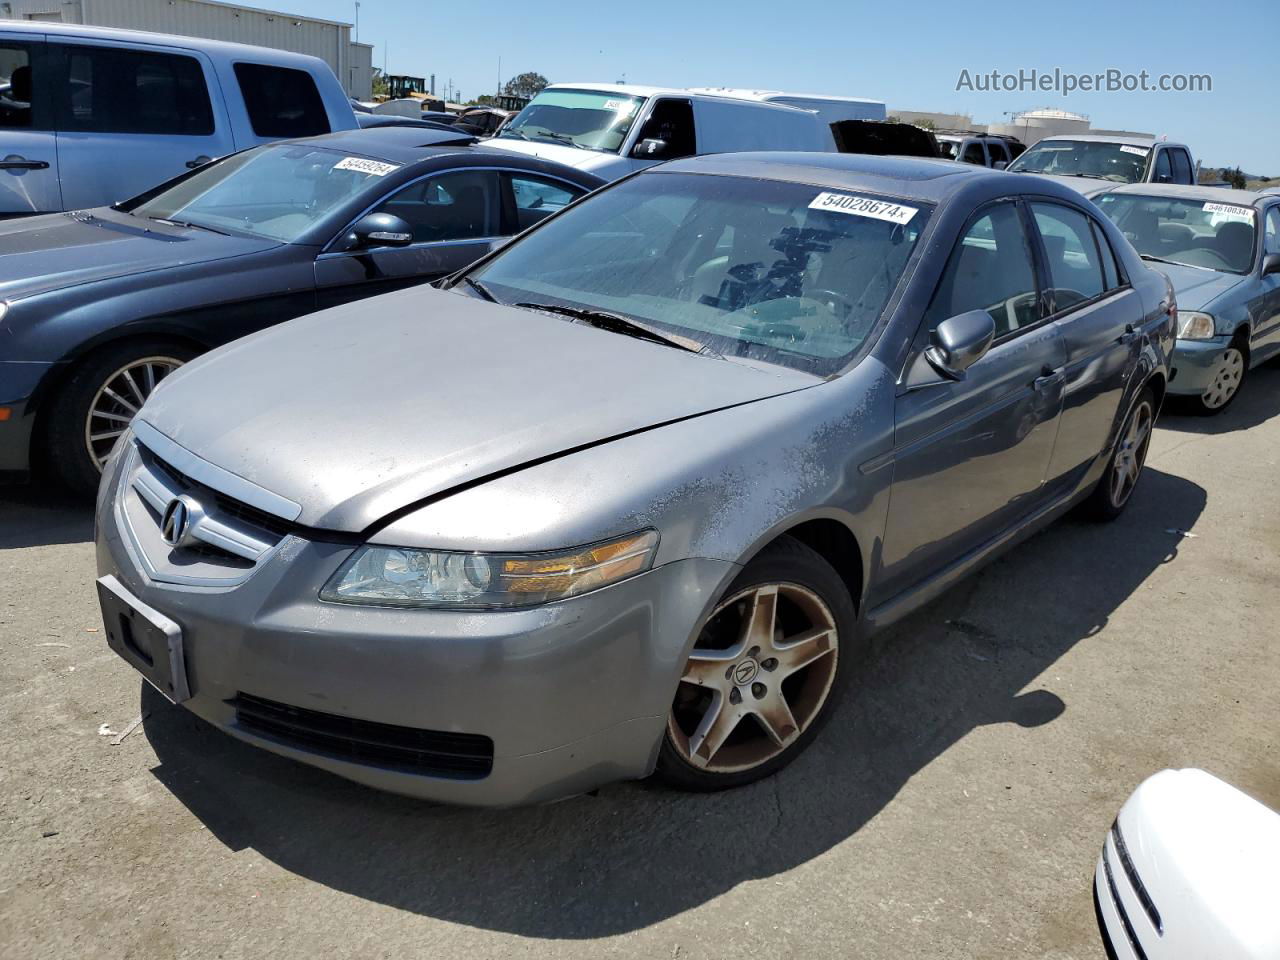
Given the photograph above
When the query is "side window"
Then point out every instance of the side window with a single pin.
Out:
(452, 206)
(1164, 171)
(281, 102)
(537, 198)
(671, 122)
(112, 90)
(1181, 167)
(1074, 271)
(990, 269)
(998, 152)
(973, 153)
(16, 86)
(1272, 243)
(1110, 269)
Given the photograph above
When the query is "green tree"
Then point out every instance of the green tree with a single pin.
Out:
(525, 85)
(924, 123)
(484, 100)
(1235, 177)
(380, 87)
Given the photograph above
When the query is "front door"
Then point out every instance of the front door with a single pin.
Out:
(454, 217)
(130, 118)
(971, 456)
(1265, 309)
(28, 148)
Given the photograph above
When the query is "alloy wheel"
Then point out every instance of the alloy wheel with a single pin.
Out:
(1226, 380)
(118, 401)
(756, 679)
(1132, 453)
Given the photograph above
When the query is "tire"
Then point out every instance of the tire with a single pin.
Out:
(742, 678)
(1229, 378)
(69, 434)
(1111, 496)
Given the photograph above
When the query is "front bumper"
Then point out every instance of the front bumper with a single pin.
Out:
(18, 383)
(1194, 364)
(573, 694)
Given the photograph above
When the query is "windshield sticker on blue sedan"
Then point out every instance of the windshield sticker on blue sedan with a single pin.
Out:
(1136, 151)
(863, 207)
(375, 168)
(1229, 211)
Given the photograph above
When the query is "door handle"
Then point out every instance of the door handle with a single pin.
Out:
(199, 161)
(1048, 377)
(1129, 334)
(15, 162)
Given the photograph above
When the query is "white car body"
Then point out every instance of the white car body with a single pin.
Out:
(1191, 871)
(723, 125)
(829, 109)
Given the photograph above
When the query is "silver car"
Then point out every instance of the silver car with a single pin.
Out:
(1221, 249)
(630, 493)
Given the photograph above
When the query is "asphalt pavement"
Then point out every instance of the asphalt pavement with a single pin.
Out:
(954, 807)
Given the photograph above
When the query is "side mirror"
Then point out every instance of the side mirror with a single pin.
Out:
(1271, 264)
(999, 165)
(650, 148)
(382, 230)
(959, 342)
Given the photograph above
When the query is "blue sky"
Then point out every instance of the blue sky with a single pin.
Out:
(908, 54)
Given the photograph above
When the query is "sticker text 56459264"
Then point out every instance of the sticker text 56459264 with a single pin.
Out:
(863, 207)
(374, 168)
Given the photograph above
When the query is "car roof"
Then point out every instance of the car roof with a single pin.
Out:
(1240, 198)
(232, 51)
(923, 179)
(1107, 138)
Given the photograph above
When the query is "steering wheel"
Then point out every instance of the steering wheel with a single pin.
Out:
(1014, 303)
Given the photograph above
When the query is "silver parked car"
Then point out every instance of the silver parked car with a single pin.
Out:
(1221, 249)
(632, 491)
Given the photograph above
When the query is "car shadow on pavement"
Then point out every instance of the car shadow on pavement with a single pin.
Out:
(39, 515)
(635, 854)
(1258, 402)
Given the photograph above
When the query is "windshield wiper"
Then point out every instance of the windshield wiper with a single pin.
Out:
(480, 288)
(1176, 263)
(617, 323)
(188, 223)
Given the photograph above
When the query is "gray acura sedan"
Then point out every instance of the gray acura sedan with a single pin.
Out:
(630, 494)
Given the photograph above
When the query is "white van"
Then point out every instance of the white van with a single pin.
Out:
(90, 116)
(612, 129)
(829, 109)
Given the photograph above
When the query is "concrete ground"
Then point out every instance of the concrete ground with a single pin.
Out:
(954, 807)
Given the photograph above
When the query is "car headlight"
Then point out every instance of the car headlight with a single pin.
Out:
(412, 577)
(1194, 326)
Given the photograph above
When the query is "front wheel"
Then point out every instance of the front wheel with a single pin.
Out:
(764, 673)
(1228, 378)
(97, 403)
(1116, 487)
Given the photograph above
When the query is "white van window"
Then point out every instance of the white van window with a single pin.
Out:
(281, 102)
(15, 86)
(112, 90)
(591, 119)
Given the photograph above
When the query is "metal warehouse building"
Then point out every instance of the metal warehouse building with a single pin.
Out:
(329, 40)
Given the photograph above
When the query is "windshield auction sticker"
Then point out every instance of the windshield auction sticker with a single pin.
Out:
(1229, 211)
(863, 207)
(374, 168)
(1136, 151)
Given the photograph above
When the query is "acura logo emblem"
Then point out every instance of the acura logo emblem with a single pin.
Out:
(745, 671)
(176, 523)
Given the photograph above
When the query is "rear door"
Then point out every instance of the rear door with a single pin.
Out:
(130, 117)
(1099, 316)
(454, 217)
(1266, 306)
(530, 198)
(971, 455)
(28, 145)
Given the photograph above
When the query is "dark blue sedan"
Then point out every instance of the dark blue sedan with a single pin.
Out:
(98, 306)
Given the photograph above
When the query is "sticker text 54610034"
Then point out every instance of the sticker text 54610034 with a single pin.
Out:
(863, 207)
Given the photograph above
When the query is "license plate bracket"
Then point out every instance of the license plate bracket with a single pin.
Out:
(146, 639)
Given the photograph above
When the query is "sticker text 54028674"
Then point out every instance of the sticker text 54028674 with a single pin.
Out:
(863, 207)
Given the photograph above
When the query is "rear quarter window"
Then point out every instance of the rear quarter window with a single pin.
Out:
(281, 102)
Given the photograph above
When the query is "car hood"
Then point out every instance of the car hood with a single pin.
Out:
(360, 411)
(1088, 186)
(593, 161)
(1196, 289)
(58, 250)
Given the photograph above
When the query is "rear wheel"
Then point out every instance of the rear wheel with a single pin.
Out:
(1116, 487)
(97, 403)
(764, 673)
